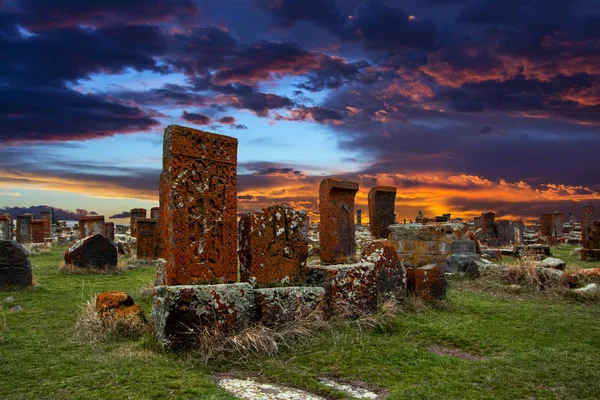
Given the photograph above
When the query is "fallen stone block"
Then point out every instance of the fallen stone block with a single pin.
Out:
(118, 305)
(277, 307)
(462, 263)
(554, 263)
(427, 282)
(181, 313)
(15, 268)
(96, 251)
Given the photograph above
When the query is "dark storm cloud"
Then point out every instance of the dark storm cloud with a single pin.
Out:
(322, 12)
(124, 214)
(195, 118)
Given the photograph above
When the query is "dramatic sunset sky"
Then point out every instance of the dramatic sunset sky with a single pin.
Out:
(463, 105)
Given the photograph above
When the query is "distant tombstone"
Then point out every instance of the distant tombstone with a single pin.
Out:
(37, 231)
(504, 232)
(24, 228)
(273, 246)
(146, 239)
(337, 230)
(587, 217)
(96, 251)
(109, 230)
(557, 224)
(46, 216)
(134, 214)
(517, 227)
(154, 213)
(477, 222)
(5, 228)
(90, 225)
(488, 225)
(198, 203)
(359, 217)
(381, 210)
(546, 225)
(15, 268)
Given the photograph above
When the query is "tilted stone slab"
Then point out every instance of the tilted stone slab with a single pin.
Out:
(427, 282)
(96, 251)
(277, 307)
(350, 289)
(391, 280)
(15, 268)
(181, 313)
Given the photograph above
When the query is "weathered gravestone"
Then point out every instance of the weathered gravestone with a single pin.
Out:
(24, 228)
(477, 222)
(557, 224)
(587, 217)
(546, 225)
(96, 251)
(15, 268)
(381, 210)
(5, 227)
(37, 231)
(279, 306)
(464, 255)
(391, 281)
(359, 217)
(90, 225)
(134, 214)
(488, 225)
(154, 213)
(46, 216)
(109, 230)
(517, 227)
(504, 232)
(427, 282)
(146, 239)
(592, 250)
(337, 229)
(273, 245)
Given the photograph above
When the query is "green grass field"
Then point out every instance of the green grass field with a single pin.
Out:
(529, 345)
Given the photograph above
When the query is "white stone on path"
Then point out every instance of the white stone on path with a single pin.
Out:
(352, 391)
(249, 389)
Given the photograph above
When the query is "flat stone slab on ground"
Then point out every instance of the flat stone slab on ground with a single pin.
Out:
(249, 389)
(353, 391)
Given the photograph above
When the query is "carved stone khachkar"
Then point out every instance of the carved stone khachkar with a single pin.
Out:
(337, 229)
(134, 214)
(146, 239)
(546, 225)
(15, 268)
(273, 245)
(46, 216)
(90, 225)
(109, 230)
(381, 210)
(24, 228)
(37, 231)
(488, 225)
(587, 218)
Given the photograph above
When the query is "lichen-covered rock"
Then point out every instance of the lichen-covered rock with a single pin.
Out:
(441, 231)
(181, 312)
(277, 307)
(415, 253)
(462, 263)
(554, 263)
(15, 268)
(391, 280)
(272, 245)
(427, 282)
(350, 289)
(117, 305)
(96, 251)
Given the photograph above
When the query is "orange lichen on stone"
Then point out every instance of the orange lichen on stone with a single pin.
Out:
(146, 239)
(474, 238)
(337, 229)
(273, 245)
(427, 282)
(90, 225)
(116, 304)
(381, 210)
(198, 219)
(391, 281)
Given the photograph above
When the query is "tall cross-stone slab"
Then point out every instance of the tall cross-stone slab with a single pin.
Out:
(381, 210)
(37, 231)
(488, 225)
(337, 229)
(90, 225)
(546, 225)
(198, 217)
(134, 214)
(5, 227)
(557, 224)
(146, 239)
(587, 218)
(24, 228)
(46, 216)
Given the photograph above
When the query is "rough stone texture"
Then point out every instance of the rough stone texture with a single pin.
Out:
(554, 263)
(517, 227)
(488, 226)
(198, 204)
(536, 251)
(15, 268)
(590, 254)
(350, 289)
(504, 232)
(381, 210)
(272, 245)
(359, 217)
(463, 263)
(277, 307)
(37, 231)
(557, 224)
(443, 231)
(5, 227)
(427, 282)
(116, 305)
(96, 251)
(391, 280)
(546, 225)
(24, 228)
(337, 229)
(46, 216)
(146, 239)
(109, 230)
(180, 313)
(593, 236)
(155, 213)
(477, 222)
(91, 225)
(464, 247)
(421, 246)
(587, 217)
(134, 214)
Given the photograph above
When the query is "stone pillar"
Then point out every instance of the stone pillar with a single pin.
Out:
(504, 232)
(37, 231)
(5, 227)
(109, 230)
(557, 223)
(518, 227)
(359, 217)
(154, 213)
(146, 238)
(587, 217)
(546, 225)
(24, 228)
(337, 230)
(198, 206)
(134, 214)
(488, 226)
(477, 222)
(381, 210)
(90, 225)
(46, 216)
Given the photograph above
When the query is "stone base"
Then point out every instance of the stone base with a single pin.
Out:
(277, 307)
(427, 282)
(590, 254)
(180, 313)
(350, 289)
